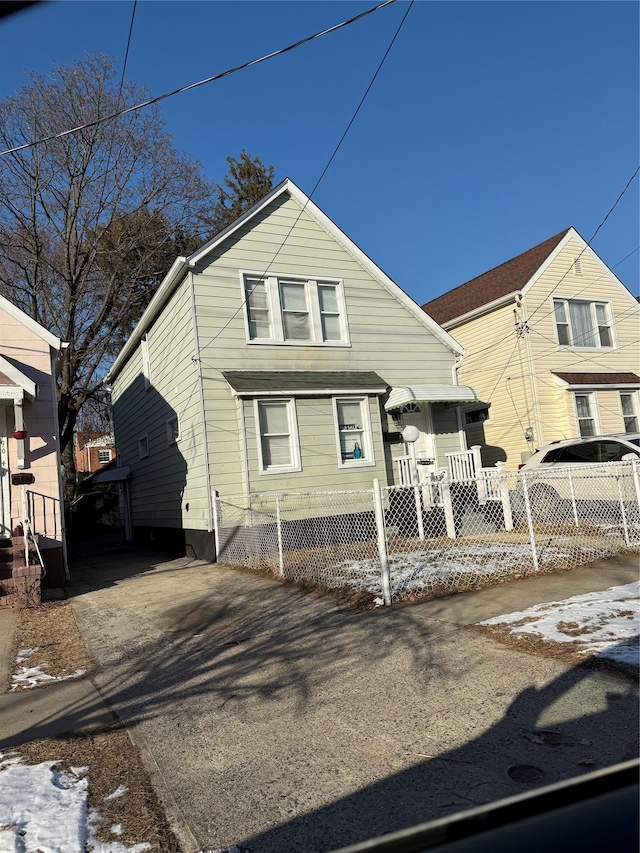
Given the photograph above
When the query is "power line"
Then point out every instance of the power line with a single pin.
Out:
(178, 91)
(476, 353)
(317, 183)
(590, 241)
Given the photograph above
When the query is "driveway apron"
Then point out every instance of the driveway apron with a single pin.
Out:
(276, 720)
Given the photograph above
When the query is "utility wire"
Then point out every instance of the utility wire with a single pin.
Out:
(590, 241)
(178, 91)
(317, 183)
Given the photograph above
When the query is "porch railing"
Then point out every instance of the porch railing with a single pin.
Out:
(44, 514)
(464, 464)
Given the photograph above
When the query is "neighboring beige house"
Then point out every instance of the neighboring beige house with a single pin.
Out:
(276, 358)
(29, 449)
(552, 346)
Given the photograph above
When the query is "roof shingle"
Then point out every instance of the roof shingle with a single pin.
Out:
(509, 277)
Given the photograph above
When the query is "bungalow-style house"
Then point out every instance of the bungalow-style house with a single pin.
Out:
(30, 471)
(93, 450)
(276, 358)
(551, 341)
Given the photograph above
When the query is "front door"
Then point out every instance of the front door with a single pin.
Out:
(420, 417)
(5, 508)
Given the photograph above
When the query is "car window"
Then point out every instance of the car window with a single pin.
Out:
(588, 452)
(635, 441)
(612, 451)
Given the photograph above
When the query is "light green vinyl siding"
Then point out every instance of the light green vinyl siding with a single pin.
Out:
(168, 488)
(385, 337)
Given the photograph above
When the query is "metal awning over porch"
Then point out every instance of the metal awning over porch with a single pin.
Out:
(258, 383)
(403, 395)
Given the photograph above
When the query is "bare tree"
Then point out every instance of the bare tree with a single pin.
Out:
(90, 222)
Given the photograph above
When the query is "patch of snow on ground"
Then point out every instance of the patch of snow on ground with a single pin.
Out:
(34, 676)
(42, 808)
(606, 624)
(23, 654)
(424, 568)
(120, 791)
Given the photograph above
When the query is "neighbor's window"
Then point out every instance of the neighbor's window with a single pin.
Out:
(353, 431)
(146, 364)
(295, 311)
(583, 324)
(629, 406)
(143, 446)
(173, 430)
(104, 456)
(585, 411)
(278, 447)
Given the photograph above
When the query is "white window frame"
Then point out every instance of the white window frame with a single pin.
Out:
(143, 446)
(104, 461)
(368, 461)
(173, 437)
(593, 412)
(276, 325)
(146, 363)
(594, 320)
(635, 407)
(294, 440)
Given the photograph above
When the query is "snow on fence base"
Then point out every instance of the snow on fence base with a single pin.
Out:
(497, 526)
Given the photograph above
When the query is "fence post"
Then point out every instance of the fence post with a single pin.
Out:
(445, 491)
(636, 479)
(625, 526)
(279, 524)
(216, 520)
(415, 479)
(382, 542)
(503, 483)
(476, 452)
(527, 506)
(573, 498)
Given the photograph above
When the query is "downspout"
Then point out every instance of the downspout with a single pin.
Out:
(205, 439)
(532, 386)
(244, 450)
(457, 362)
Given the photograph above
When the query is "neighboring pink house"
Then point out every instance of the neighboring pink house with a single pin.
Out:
(30, 469)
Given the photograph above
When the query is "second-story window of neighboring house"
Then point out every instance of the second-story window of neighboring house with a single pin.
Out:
(585, 412)
(104, 456)
(294, 311)
(580, 323)
(629, 406)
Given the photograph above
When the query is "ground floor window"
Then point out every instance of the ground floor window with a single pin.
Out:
(278, 446)
(353, 431)
(629, 406)
(585, 412)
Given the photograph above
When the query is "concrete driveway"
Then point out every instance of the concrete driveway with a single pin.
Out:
(274, 720)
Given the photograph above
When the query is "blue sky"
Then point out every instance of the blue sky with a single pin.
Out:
(492, 126)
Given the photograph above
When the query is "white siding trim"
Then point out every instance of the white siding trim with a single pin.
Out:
(31, 324)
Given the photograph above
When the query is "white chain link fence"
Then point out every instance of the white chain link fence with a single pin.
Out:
(438, 537)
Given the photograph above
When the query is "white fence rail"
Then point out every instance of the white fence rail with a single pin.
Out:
(394, 542)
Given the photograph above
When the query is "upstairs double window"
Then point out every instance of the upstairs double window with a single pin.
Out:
(580, 323)
(288, 310)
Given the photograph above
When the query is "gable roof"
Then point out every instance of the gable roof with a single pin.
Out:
(30, 324)
(12, 376)
(182, 265)
(501, 281)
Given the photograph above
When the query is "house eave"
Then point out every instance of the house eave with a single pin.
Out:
(173, 278)
(482, 309)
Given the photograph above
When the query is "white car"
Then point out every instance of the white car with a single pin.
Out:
(581, 469)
